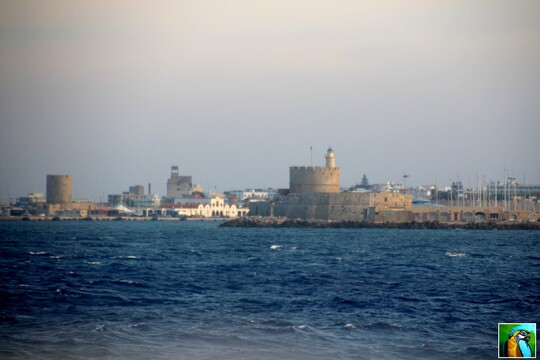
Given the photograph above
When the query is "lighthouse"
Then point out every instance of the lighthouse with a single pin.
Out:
(330, 158)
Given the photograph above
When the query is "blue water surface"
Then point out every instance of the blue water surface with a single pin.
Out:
(192, 290)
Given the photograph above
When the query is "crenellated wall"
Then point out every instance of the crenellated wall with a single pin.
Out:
(309, 179)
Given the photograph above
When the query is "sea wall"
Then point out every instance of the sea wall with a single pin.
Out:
(326, 206)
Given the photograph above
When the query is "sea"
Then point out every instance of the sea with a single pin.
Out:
(194, 290)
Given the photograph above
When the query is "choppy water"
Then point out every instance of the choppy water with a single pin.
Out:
(183, 290)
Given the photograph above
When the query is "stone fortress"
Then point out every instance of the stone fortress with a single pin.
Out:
(315, 179)
(314, 193)
(59, 197)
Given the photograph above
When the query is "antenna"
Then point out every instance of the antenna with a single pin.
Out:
(505, 181)
(311, 154)
(451, 191)
(405, 176)
(436, 189)
(496, 193)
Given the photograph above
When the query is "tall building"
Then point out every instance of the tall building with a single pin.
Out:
(178, 186)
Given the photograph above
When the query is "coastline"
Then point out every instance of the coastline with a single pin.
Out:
(282, 222)
(106, 218)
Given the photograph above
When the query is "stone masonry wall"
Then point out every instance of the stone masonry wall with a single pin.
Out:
(306, 180)
(326, 206)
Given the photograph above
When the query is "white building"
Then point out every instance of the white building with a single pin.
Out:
(32, 199)
(153, 201)
(253, 194)
(205, 208)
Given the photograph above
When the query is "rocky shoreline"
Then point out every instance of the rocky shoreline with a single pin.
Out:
(105, 218)
(281, 222)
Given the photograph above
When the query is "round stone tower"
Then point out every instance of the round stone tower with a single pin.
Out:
(315, 179)
(59, 189)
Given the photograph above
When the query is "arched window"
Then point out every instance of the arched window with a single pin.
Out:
(479, 216)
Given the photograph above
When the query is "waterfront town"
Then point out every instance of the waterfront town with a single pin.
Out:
(314, 193)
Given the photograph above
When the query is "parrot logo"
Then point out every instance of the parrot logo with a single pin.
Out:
(517, 344)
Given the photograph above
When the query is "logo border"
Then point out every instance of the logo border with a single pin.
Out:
(499, 339)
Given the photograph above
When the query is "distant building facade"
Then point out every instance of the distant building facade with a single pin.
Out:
(32, 199)
(153, 201)
(260, 194)
(137, 190)
(178, 186)
(214, 206)
(135, 197)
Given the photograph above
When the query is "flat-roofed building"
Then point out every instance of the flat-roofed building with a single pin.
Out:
(179, 186)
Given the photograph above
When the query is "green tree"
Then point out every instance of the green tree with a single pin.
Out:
(364, 184)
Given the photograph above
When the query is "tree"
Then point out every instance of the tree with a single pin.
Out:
(364, 184)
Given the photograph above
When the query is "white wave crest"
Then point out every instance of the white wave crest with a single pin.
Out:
(276, 247)
(129, 282)
(303, 327)
(456, 254)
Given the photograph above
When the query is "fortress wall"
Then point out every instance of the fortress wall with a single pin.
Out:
(348, 206)
(326, 206)
(304, 180)
(391, 199)
(351, 199)
(301, 206)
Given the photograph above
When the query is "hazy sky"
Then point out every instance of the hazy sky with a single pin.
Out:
(234, 92)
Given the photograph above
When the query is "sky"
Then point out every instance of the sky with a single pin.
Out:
(234, 92)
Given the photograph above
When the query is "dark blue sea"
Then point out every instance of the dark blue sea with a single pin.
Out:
(192, 290)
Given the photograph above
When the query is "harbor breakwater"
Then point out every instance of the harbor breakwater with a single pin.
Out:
(283, 222)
